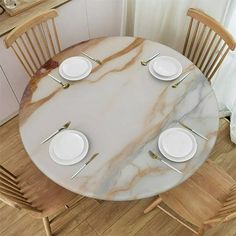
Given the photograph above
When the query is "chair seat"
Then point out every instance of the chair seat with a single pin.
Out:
(201, 196)
(44, 194)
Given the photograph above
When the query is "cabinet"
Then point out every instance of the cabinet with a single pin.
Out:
(8, 102)
(13, 70)
(72, 23)
(104, 17)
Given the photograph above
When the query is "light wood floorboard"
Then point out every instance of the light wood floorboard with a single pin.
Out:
(95, 218)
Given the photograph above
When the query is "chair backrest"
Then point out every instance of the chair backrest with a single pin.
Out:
(35, 41)
(11, 193)
(207, 42)
(227, 211)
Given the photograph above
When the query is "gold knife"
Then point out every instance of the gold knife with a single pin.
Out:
(194, 131)
(84, 165)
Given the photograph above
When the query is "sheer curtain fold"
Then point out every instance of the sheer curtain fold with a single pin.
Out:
(165, 21)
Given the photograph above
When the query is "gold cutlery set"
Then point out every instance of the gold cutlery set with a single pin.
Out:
(65, 126)
(67, 85)
(143, 62)
(182, 77)
(151, 153)
(156, 156)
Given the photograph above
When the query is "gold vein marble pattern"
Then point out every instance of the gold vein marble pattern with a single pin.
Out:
(122, 109)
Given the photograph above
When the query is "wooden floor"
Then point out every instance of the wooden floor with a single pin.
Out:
(93, 218)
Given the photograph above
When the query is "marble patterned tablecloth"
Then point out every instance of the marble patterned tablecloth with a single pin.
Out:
(122, 109)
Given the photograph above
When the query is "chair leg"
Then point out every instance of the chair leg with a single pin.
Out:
(47, 227)
(201, 232)
(153, 205)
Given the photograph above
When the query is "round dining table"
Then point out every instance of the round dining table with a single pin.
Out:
(122, 109)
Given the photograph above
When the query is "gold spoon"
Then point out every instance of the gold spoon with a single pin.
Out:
(181, 80)
(144, 63)
(65, 86)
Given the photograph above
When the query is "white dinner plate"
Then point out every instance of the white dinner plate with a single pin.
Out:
(75, 68)
(68, 147)
(165, 68)
(177, 144)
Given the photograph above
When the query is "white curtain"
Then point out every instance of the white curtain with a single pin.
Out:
(165, 21)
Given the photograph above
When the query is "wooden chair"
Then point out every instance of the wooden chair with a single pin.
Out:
(207, 42)
(207, 198)
(30, 190)
(35, 41)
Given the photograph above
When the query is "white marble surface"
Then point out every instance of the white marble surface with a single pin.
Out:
(122, 109)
